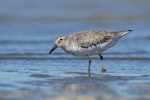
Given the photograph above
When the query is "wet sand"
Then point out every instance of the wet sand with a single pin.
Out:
(102, 86)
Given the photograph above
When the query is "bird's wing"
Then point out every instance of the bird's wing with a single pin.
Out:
(88, 38)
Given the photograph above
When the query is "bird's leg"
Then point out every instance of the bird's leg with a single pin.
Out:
(102, 62)
(89, 66)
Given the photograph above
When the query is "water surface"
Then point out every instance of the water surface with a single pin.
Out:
(27, 31)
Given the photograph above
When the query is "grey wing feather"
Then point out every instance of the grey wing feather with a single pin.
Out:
(89, 38)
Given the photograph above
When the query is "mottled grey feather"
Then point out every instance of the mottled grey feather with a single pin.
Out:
(88, 38)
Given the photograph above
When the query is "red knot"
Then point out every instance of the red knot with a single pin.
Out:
(88, 43)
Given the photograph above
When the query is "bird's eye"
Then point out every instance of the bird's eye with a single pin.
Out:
(60, 39)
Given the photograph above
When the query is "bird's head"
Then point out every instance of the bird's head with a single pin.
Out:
(58, 43)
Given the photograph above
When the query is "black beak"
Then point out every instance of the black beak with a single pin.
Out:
(53, 49)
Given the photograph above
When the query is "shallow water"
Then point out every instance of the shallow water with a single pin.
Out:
(27, 31)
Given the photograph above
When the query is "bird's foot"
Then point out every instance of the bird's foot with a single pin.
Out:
(89, 72)
(103, 70)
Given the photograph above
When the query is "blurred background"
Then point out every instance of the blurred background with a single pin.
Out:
(27, 31)
(29, 26)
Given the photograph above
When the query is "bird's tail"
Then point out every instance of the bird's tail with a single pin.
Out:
(122, 33)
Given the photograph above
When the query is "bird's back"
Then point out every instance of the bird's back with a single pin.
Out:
(89, 38)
